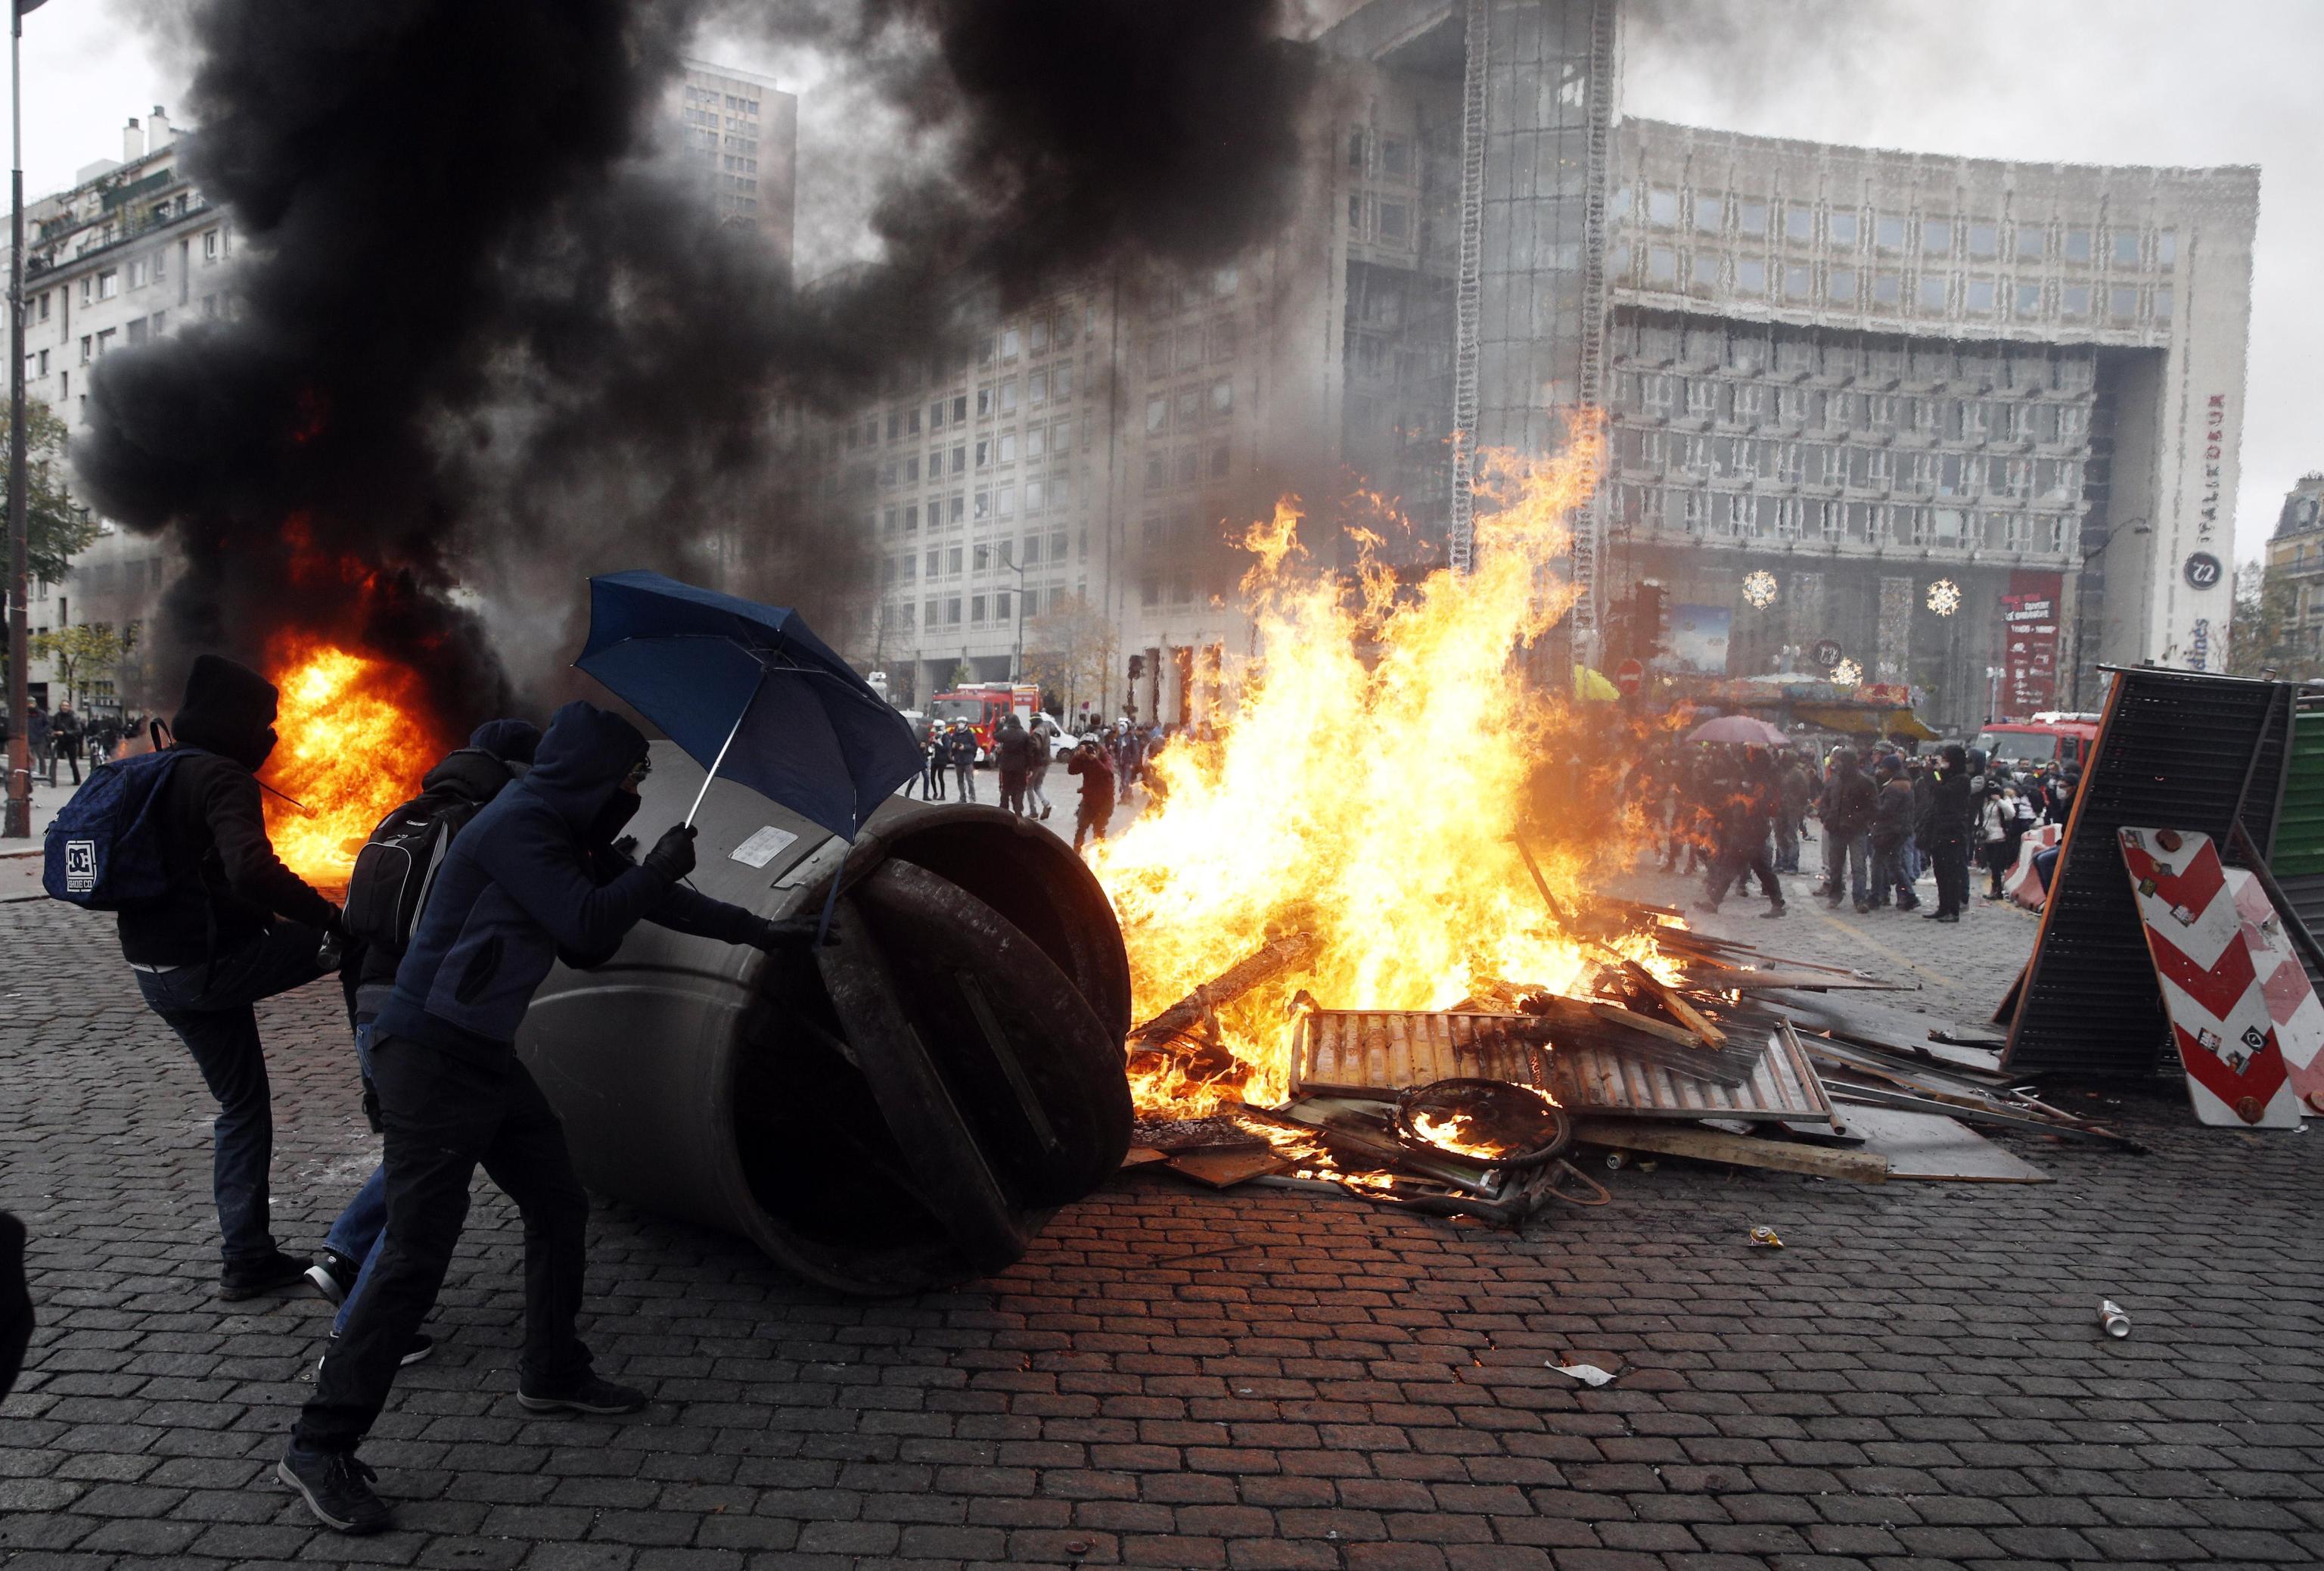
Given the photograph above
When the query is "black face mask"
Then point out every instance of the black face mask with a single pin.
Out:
(619, 809)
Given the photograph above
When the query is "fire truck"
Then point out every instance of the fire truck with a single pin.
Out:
(2051, 736)
(982, 708)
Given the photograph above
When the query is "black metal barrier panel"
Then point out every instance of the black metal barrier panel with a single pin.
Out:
(2177, 749)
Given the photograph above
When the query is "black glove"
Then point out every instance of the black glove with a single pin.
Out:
(672, 855)
(787, 933)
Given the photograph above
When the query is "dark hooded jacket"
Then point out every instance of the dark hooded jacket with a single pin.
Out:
(226, 884)
(1848, 799)
(532, 875)
(1892, 814)
(1013, 749)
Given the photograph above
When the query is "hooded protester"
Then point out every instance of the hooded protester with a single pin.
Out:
(1950, 810)
(235, 926)
(1892, 828)
(1013, 758)
(498, 752)
(65, 734)
(1846, 808)
(535, 877)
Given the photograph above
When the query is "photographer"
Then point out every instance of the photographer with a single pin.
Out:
(1090, 761)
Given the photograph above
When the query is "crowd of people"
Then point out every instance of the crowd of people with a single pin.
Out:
(64, 737)
(1112, 762)
(1885, 820)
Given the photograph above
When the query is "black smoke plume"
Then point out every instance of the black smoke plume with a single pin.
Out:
(487, 331)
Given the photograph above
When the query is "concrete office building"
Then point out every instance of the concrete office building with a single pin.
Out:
(1843, 388)
(741, 131)
(130, 252)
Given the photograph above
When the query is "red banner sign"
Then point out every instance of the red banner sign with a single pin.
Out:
(2029, 643)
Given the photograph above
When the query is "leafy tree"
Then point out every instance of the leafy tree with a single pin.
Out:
(58, 528)
(80, 654)
(1071, 651)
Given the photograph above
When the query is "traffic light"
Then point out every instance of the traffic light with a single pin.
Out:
(1137, 667)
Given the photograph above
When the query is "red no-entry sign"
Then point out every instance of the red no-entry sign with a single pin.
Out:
(1628, 677)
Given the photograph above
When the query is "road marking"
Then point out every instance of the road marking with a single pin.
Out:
(1939, 977)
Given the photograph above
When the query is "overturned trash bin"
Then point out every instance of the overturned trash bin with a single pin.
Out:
(902, 1109)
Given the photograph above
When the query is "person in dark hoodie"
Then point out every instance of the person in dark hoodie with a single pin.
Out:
(1012, 756)
(1892, 828)
(498, 752)
(534, 877)
(236, 926)
(1950, 808)
(1846, 808)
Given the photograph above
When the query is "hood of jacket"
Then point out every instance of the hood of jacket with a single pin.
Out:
(228, 709)
(509, 741)
(581, 760)
(471, 771)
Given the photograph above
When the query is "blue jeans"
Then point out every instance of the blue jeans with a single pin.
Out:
(1847, 855)
(357, 1230)
(209, 1006)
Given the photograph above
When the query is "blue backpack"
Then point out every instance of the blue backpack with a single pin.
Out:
(103, 851)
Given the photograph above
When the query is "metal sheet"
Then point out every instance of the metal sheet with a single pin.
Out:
(1784, 1084)
(1359, 1048)
(2184, 750)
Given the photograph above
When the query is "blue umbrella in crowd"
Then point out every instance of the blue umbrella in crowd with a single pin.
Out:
(751, 693)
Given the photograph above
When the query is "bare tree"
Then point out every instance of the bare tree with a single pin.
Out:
(1070, 651)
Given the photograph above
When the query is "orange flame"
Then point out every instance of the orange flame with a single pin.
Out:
(356, 736)
(1368, 789)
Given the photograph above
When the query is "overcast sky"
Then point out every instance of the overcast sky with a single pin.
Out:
(2122, 81)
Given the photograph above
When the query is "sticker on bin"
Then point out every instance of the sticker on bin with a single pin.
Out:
(763, 846)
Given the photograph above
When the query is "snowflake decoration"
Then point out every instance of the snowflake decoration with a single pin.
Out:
(1759, 588)
(1847, 674)
(1944, 596)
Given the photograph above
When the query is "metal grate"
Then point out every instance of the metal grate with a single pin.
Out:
(1785, 1086)
(2180, 750)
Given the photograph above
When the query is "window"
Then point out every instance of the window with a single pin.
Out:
(1219, 462)
(1840, 228)
(1008, 447)
(1799, 281)
(2078, 245)
(912, 519)
(108, 283)
(1751, 219)
(1005, 502)
(1009, 396)
(1799, 223)
(1978, 299)
(104, 342)
(952, 611)
(84, 342)
(1710, 214)
(2032, 243)
(1190, 406)
(1035, 497)
(1983, 240)
(1936, 236)
(2028, 303)
(980, 506)
(984, 403)
(211, 247)
(1662, 264)
(1223, 339)
(1662, 208)
(952, 559)
(2122, 302)
(1750, 277)
(1222, 399)
(912, 421)
(2166, 254)
(2074, 300)
(1888, 232)
(1931, 294)
(1395, 157)
(959, 408)
(1157, 413)
(1887, 289)
(44, 363)
(1036, 439)
(2126, 247)
(1037, 387)
(983, 452)
(2164, 302)
(1395, 221)
(137, 274)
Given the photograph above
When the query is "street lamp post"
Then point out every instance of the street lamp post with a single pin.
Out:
(1016, 662)
(18, 824)
(2142, 524)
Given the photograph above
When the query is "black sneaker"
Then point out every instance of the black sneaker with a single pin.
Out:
(423, 1344)
(589, 1394)
(336, 1487)
(248, 1281)
(334, 1276)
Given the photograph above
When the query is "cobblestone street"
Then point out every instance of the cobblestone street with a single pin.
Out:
(1258, 1379)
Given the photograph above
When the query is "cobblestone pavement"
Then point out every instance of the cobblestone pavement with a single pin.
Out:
(1259, 1378)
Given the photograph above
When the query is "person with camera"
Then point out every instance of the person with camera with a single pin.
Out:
(537, 876)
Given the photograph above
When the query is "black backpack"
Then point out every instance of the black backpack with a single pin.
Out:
(398, 866)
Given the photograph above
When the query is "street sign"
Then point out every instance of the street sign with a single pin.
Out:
(1827, 652)
(1628, 677)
